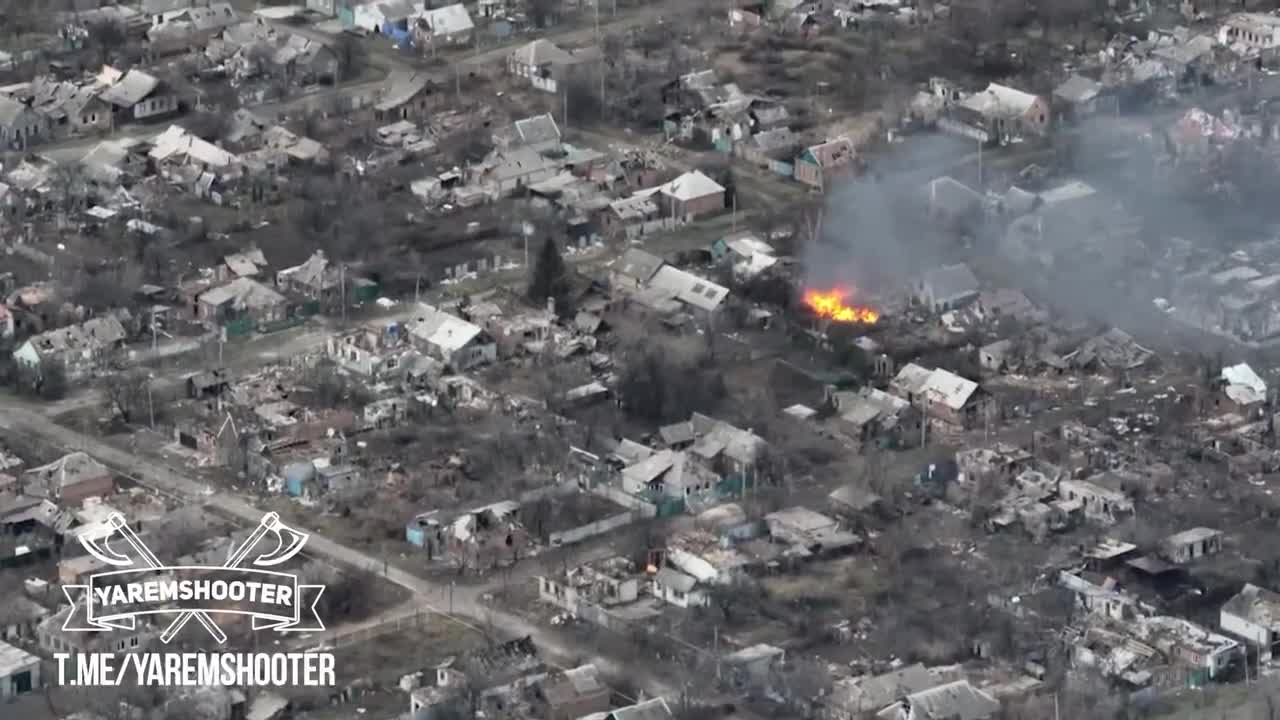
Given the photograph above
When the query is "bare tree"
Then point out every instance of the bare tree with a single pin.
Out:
(128, 396)
(107, 37)
(542, 12)
(180, 534)
(352, 58)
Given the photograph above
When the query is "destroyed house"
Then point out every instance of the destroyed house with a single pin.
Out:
(448, 25)
(404, 96)
(1078, 96)
(79, 349)
(69, 480)
(1245, 391)
(612, 581)
(1098, 503)
(877, 417)
(575, 693)
(998, 114)
(136, 95)
(818, 165)
(316, 279)
(667, 473)
(54, 638)
(20, 126)
(672, 290)
(809, 532)
(450, 339)
(942, 395)
(242, 301)
(633, 270)
(374, 351)
(1190, 545)
(544, 65)
(250, 263)
(957, 700)
(1113, 350)
(1253, 615)
(947, 288)
(499, 664)
(181, 29)
(688, 197)
(853, 698)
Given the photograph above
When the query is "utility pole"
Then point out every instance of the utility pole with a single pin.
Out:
(924, 422)
(417, 289)
(151, 407)
(457, 81)
(716, 641)
(980, 143)
(342, 289)
(565, 113)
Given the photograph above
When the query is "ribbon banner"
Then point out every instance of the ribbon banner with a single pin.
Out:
(113, 600)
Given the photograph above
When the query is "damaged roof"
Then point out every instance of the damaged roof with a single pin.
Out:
(999, 101)
(243, 292)
(175, 142)
(1243, 384)
(447, 20)
(951, 281)
(538, 129)
(1077, 89)
(441, 329)
(937, 385)
(131, 89)
(953, 701)
(1259, 606)
(541, 52)
(638, 265)
(67, 470)
(401, 87)
(688, 288)
(1114, 349)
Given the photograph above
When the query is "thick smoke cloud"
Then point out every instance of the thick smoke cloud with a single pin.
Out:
(874, 234)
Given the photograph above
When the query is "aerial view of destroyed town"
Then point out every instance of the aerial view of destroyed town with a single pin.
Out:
(640, 360)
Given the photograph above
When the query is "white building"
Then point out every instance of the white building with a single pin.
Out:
(1250, 31)
(19, 671)
(1253, 615)
(947, 288)
(676, 588)
(450, 339)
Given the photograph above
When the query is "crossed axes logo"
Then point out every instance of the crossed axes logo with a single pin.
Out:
(275, 600)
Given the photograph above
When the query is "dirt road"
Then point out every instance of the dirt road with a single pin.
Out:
(19, 420)
(384, 62)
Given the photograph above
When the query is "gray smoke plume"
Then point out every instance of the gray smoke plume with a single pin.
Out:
(874, 233)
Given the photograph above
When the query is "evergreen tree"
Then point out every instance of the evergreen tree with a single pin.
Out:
(550, 278)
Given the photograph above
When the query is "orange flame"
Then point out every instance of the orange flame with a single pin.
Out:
(831, 304)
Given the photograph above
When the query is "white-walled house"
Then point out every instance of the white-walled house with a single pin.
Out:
(676, 588)
(450, 339)
(1253, 615)
(19, 673)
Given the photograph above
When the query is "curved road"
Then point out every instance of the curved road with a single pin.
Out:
(468, 608)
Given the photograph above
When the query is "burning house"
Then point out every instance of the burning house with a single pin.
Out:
(833, 305)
